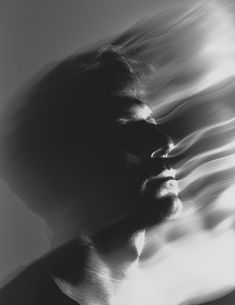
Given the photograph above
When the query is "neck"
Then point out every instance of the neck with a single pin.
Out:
(120, 247)
(108, 257)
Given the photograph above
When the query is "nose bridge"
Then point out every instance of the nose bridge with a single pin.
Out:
(163, 144)
(147, 139)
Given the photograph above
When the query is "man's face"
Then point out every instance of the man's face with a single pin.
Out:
(132, 177)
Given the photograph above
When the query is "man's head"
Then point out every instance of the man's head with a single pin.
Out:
(83, 149)
(83, 146)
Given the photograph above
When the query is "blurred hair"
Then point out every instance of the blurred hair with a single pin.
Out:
(189, 49)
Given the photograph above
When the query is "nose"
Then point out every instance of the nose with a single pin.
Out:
(164, 144)
(144, 138)
(164, 150)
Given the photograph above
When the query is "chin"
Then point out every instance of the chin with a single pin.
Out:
(175, 207)
(154, 211)
(159, 199)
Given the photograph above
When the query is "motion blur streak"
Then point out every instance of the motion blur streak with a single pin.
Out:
(183, 269)
(194, 137)
(209, 169)
(207, 60)
(191, 258)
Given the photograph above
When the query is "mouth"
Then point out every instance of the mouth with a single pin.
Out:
(164, 186)
(167, 186)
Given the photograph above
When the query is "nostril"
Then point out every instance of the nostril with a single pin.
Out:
(161, 155)
(163, 151)
(158, 153)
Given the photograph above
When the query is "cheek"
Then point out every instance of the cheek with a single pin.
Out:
(130, 160)
(125, 167)
(119, 175)
(128, 176)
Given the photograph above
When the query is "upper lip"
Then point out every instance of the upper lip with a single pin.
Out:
(158, 180)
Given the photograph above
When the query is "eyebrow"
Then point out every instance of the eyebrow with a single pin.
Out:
(128, 119)
(133, 110)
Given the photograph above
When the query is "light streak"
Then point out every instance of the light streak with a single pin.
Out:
(201, 158)
(194, 137)
(211, 60)
(209, 168)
